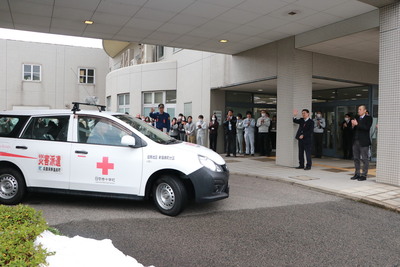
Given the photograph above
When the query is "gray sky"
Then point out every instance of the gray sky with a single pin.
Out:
(49, 38)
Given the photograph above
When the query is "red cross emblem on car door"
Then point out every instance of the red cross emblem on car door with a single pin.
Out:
(105, 166)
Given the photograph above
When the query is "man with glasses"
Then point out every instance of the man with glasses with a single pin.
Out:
(162, 119)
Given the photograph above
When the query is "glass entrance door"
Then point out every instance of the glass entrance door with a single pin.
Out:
(333, 135)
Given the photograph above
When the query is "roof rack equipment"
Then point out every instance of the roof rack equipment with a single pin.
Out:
(76, 108)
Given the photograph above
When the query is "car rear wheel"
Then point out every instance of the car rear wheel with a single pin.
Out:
(169, 195)
(12, 186)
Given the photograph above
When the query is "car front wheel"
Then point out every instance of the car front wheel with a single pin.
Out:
(12, 186)
(169, 195)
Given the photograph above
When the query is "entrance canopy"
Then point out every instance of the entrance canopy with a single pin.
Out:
(192, 24)
(269, 86)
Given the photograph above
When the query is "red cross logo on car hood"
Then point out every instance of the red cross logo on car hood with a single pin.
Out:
(105, 166)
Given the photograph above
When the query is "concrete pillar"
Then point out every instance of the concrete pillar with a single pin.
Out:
(388, 167)
(294, 91)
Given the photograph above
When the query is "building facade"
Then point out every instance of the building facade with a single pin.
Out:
(278, 77)
(40, 75)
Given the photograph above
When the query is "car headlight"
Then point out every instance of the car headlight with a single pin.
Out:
(209, 164)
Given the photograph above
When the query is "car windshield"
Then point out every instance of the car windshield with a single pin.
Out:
(147, 130)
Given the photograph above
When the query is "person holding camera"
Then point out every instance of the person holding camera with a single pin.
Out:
(319, 126)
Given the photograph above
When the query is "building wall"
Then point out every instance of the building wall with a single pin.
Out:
(198, 75)
(136, 79)
(59, 74)
(345, 69)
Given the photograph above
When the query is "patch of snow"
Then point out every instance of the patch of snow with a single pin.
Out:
(79, 251)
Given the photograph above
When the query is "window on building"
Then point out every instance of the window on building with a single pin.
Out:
(108, 105)
(187, 109)
(127, 57)
(159, 52)
(123, 103)
(170, 97)
(86, 76)
(159, 98)
(152, 99)
(32, 72)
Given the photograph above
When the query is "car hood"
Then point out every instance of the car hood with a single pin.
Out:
(201, 150)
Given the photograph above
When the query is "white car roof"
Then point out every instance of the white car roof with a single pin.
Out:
(54, 111)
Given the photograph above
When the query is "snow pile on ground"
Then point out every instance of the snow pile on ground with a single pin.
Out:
(79, 251)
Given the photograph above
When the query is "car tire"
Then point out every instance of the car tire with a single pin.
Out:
(12, 186)
(169, 195)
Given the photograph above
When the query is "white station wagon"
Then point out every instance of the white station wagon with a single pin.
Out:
(104, 154)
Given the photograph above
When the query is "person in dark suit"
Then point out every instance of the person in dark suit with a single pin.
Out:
(230, 133)
(347, 137)
(304, 135)
(361, 142)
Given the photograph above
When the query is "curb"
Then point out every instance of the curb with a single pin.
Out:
(364, 200)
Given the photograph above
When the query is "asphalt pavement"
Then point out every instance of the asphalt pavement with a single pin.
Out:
(262, 223)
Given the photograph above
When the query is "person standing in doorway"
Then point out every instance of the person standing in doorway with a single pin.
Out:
(263, 124)
(249, 128)
(304, 136)
(230, 133)
(162, 119)
(361, 142)
(319, 126)
(213, 130)
(239, 133)
(201, 127)
(190, 129)
(347, 137)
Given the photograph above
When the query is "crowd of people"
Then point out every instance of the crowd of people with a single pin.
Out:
(240, 133)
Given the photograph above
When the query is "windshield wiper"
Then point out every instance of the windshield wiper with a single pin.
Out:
(171, 141)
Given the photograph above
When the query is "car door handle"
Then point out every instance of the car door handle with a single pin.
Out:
(21, 147)
(81, 152)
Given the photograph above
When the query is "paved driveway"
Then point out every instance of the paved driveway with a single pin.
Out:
(263, 223)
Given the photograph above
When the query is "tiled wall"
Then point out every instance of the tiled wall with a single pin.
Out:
(388, 164)
(294, 92)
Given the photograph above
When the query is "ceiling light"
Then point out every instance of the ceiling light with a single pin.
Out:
(365, 90)
(260, 90)
(223, 41)
(292, 13)
(358, 94)
(89, 22)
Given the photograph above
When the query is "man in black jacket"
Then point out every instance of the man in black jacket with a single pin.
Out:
(304, 135)
(361, 142)
(230, 133)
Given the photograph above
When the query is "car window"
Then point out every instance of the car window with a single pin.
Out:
(53, 128)
(152, 133)
(95, 130)
(10, 126)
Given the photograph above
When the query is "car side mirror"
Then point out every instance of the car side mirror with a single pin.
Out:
(128, 140)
